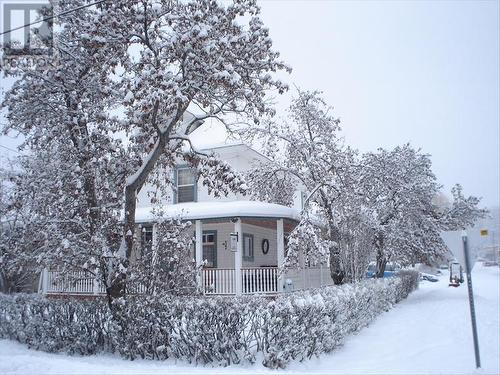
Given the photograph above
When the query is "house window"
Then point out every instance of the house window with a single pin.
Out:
(186, 185)
(209, 240)
(146, 238)
(247, 246)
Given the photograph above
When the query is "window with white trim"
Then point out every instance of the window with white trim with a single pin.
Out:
(146, 238)
(247, 246)
(186, 185)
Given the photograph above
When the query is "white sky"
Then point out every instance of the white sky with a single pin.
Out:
(400, 71)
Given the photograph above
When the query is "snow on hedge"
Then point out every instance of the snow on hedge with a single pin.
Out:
(217, 330)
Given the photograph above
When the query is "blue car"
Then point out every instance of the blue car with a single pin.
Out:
(390, 270)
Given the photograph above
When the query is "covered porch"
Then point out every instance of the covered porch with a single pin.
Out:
(239, 246)
(239, 249)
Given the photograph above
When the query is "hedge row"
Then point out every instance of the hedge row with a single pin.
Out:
(205, 330)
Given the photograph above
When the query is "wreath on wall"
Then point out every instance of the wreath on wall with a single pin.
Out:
(265, 246)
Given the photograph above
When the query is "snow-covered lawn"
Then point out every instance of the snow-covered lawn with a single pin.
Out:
(429, 333)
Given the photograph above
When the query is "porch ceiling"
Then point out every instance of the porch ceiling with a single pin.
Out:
(289, 225)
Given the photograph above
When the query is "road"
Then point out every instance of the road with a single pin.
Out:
(429, 333)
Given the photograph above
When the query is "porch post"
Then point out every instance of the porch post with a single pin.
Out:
(45, 281)
(280, 240)
(155, 234)
(199, 252)
(237, 257)
(95, 286)
(321, 273)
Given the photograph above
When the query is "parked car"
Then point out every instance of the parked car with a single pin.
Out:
(490, 263)
(391, 269)
(428, 277)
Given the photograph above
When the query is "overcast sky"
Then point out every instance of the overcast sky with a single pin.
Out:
(399, 71)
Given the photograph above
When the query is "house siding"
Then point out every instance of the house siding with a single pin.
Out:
(225, 257)
(259, 258)
(240, 158)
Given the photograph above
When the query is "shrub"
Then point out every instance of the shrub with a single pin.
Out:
(217, 330)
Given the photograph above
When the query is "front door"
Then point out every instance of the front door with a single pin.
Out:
(210, 248)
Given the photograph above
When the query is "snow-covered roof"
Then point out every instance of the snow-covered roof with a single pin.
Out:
(218, 210)
(214, 146)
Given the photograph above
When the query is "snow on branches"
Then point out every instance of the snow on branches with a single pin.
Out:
(307, 154)
(115, 110)
(400, 190)
(166, 265)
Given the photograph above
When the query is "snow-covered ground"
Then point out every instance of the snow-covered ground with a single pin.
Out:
(429, 333)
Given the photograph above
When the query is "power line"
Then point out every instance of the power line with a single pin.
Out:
(54, 16)
(10, 149)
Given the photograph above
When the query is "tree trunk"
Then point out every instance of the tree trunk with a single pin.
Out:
(133, 186)
(381, 259)
(337, 271)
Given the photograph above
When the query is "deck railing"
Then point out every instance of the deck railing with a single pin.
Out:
(218, 281)
(77, 282)
(80, 283)
(259, 280)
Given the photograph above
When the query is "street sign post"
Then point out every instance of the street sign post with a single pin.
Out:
(471, 298)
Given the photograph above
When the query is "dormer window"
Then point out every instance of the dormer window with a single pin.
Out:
(185, 185)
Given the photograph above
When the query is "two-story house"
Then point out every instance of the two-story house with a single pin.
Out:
(239, 243)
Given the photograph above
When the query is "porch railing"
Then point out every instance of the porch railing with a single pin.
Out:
(221, 281)
(253, 280)
(78, 282)
(218, 281)
(259, 280)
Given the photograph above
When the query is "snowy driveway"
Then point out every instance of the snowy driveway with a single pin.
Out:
(429, 333)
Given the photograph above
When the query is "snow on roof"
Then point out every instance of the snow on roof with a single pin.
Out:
(214, 146)
(218, 210)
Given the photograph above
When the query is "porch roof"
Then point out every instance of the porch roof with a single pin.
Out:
(219, 210)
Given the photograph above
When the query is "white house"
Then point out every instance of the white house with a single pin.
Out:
(240, 241)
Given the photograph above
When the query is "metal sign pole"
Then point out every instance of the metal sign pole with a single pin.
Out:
(471, 298)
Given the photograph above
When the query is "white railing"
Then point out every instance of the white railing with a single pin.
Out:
(259, 280)
(78, 282)
(222, 281)
(307, 278)
(218, 281)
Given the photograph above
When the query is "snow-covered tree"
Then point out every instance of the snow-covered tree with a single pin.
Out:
(69, 184)
(268, 184)
(16, 275)
(462, 213)
(166, 266)
(309, 153)
(199, 54)
(147, 62)
(400, 193)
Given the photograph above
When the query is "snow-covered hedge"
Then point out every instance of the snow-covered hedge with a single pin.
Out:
(54, 325)
(205, 330)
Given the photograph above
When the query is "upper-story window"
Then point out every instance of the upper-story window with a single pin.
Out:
(186, 185)
(146, 238)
